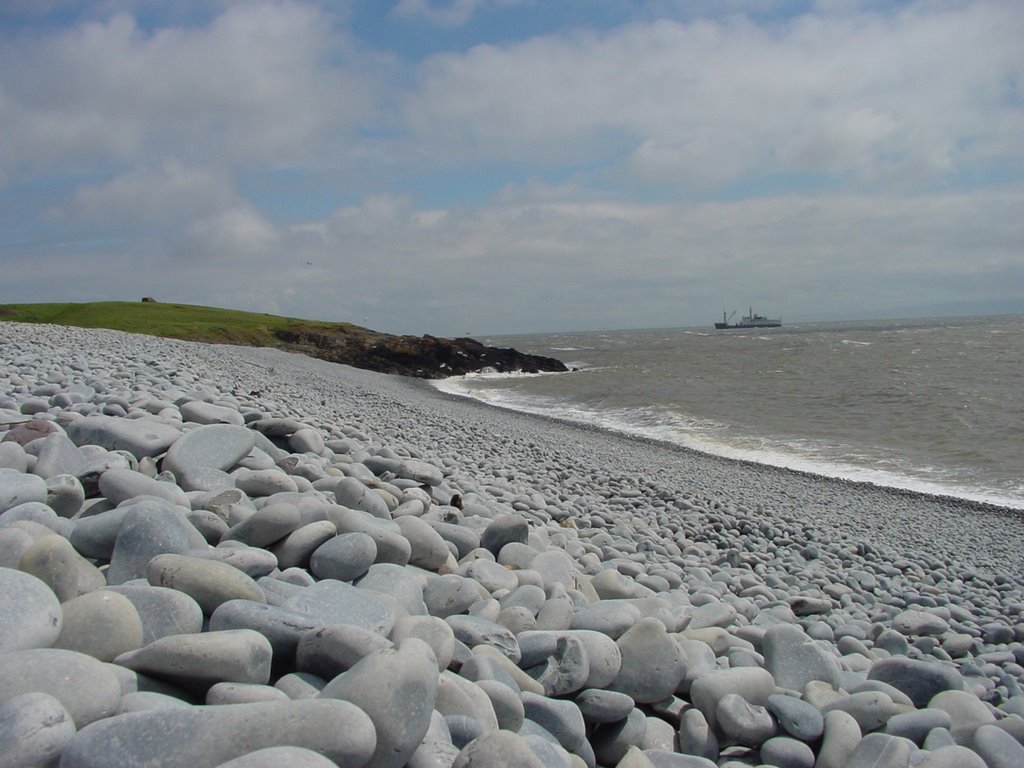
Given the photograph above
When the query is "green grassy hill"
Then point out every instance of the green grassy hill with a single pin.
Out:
(177, 321)
(424, 357)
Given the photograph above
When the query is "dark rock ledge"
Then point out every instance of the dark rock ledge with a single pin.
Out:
(425, 357)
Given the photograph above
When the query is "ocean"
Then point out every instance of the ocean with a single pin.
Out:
(933, 405)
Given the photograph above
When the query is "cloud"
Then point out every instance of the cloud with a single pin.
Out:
(446, 13)
(921, 93)
(852, 159)
(550, 264)
(262, 83)
(151, 194)
(232, 234)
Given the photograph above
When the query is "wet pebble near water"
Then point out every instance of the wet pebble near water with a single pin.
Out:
(214, 556)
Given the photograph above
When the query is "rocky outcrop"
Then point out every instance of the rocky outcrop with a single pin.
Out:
(425, 357)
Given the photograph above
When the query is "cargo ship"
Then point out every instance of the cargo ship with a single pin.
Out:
(749, 320)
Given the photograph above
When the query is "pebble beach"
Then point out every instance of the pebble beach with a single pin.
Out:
(226, 556)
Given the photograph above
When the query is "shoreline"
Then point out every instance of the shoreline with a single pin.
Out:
(949, 498)
(458, 580)
(887, 515)
(919, 488)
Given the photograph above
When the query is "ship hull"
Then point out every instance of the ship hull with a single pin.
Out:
(767, 324)
(750, 320)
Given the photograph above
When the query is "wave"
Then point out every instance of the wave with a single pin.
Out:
(717, 439)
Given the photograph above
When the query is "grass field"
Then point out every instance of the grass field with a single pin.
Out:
(177, 321)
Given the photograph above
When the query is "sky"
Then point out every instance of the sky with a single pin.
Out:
(516, 166)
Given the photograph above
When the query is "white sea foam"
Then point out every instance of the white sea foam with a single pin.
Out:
(709, 437)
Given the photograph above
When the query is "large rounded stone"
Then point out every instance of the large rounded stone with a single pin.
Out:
(395, 581)
(612, 741)
(295, 550)
(754, 684)
(421, 472)
(30, 613)
(150, 528)
(196, 662)
(566, 670)
(796, 716)
(966, 711)
(742, 722)
(918, 724)
(473, 630)
(264, 482)
(879, 750)
(507, 705)
(276, 757)
(787, 753)
(266, 526)
(12, 455)
(162, 611)
(252, 561)
(998, 748)
(610, 617)
(58, 456)
(53, 560)
(913, 623)
(207, 736)
(345, 557)
(695, 737)
(397, 689)
(503, 530)
(561, 718)
(871, 709)
(119, 485)
(610, 584)
(353, 494)
(432, 630)
(794, 659)
(88, 689)
(652, 663)
(94, 536)
(208, 582)
(13, 544)
(18, 488)
(489, 574)
(427, 549)
(101, 624)
(209, 413)
(64, 495)
(335, 602)
(243, 693)
(920, 680)
(497, 750)
(328, 651)
(220, 446)
(282, 627)
(139, 437)
(598, 706)
(450, 595)
(34, 729)
(464, 539)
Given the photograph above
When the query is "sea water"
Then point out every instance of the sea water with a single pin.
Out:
(932, 405)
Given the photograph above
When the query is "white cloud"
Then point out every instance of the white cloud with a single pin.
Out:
(266, 83)
(446, 13)
(231, 234)
(151, 194)
(583, 179)
(601, 264)
(922, 92)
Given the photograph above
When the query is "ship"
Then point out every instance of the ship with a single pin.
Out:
(749, 320)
